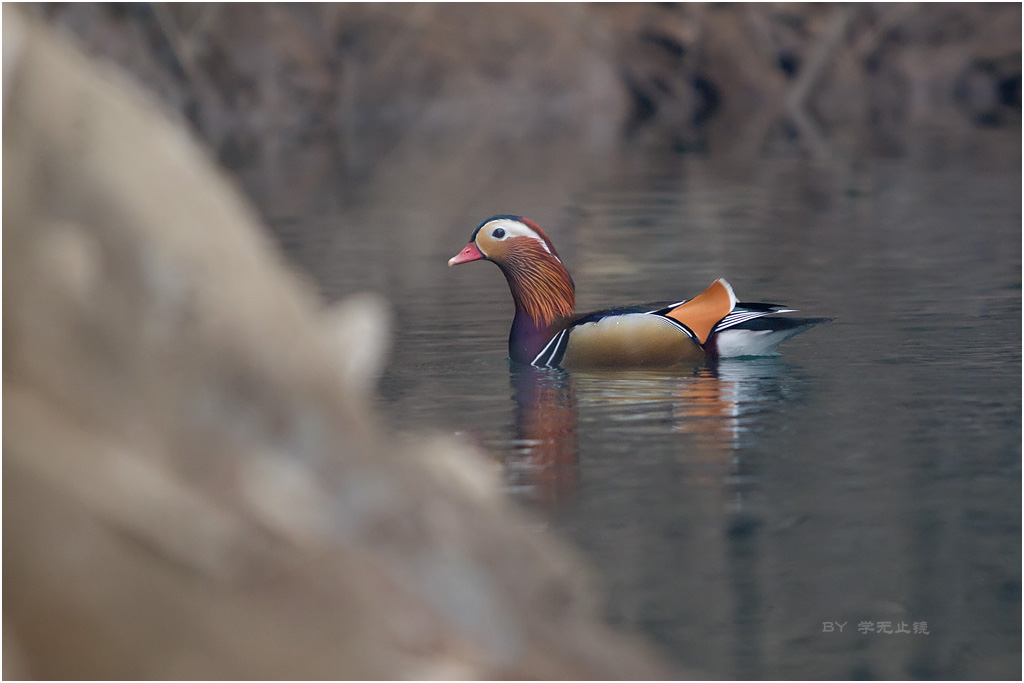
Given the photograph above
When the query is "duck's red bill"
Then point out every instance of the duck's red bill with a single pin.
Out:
(470, 253)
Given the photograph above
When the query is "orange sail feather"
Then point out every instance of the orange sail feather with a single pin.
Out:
(702, 313)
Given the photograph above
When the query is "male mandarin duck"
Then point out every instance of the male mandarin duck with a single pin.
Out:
(546, 332)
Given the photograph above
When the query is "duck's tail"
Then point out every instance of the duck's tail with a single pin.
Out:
(758, 336)
(729, 328)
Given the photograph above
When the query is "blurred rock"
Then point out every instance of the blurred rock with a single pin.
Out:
(360, 327)
(194, 486)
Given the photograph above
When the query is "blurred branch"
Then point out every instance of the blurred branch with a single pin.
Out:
(818, 61)
(889, 17)
(183, 43)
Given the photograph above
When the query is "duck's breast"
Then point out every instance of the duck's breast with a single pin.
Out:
(630, 340)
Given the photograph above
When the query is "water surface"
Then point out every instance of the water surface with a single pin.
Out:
(870, 476)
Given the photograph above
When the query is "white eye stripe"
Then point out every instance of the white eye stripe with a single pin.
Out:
(517, 229)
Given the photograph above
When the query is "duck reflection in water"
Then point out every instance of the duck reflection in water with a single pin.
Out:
(543, 466)
(704, 404)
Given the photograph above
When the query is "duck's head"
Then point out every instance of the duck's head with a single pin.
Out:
(540, 284)
(504, 238)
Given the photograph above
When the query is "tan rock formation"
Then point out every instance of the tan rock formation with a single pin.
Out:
(193, 486)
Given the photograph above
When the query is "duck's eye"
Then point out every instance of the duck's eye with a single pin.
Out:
(498, 233)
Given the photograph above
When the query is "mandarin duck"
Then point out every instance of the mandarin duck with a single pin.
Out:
(546, 331)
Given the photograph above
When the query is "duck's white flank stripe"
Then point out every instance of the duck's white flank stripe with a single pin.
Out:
(549, 352)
